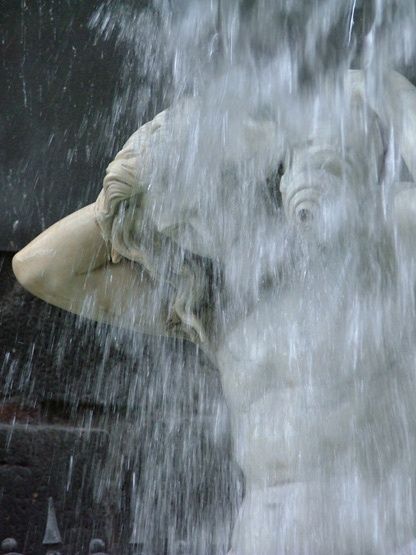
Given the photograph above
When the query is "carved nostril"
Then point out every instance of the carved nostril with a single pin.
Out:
(304, 215)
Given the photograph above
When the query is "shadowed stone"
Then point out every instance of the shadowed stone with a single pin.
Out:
(52, 535)
(9, 547)
(97, 547)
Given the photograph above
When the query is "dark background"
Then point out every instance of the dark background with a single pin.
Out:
(66, 109)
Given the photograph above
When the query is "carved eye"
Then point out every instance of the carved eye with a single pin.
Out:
(304, 215)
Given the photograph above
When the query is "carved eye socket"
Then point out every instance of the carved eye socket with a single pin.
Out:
(304, 215)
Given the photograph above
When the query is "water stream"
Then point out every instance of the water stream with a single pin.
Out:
(265, 215)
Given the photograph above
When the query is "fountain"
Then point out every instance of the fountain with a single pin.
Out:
(267, 216)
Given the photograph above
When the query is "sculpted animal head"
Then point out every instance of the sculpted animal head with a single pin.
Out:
(338, 160)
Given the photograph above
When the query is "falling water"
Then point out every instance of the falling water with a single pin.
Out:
(272, 180)
(264, 218)
(269, 188)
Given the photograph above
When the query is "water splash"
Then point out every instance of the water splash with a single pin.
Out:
(263, 213)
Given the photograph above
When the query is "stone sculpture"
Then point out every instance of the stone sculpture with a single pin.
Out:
(9, 547)
(52, 539)
(138, 260)
(97, 547)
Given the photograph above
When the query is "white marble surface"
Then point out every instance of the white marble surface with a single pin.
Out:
(297, 419)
